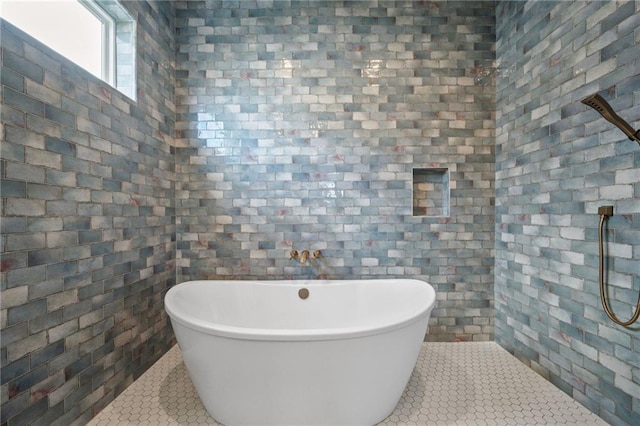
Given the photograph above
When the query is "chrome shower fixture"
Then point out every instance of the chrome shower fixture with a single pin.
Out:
(599, 104)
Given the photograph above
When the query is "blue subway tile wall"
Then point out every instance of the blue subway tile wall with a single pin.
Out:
(557, 161)
(88, 224)
(298, 125)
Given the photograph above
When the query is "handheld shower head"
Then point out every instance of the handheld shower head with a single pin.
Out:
(599, 104)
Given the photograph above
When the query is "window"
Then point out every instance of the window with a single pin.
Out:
(98, 35)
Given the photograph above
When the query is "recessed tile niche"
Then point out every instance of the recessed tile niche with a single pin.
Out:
(431, 192)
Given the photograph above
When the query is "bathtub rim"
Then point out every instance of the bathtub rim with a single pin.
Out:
(293, 335)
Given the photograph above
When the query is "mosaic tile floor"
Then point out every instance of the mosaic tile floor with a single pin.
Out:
(474, 384)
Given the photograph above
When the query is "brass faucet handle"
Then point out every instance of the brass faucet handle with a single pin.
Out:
(317, 254)
(293, 254)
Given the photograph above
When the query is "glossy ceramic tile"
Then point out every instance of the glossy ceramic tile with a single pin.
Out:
(473, 384)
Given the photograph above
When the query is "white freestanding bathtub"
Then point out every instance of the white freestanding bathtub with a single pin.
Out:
(260, 354)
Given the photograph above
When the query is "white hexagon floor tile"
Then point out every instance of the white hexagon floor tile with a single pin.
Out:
(453, 384)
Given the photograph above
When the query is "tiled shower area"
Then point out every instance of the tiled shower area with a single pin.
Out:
(438, 140)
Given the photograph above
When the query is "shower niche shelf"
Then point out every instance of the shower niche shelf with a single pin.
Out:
(431, 192)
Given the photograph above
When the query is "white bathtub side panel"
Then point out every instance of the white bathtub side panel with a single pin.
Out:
(338, 382)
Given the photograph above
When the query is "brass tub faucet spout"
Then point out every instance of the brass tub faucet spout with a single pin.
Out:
(305, 255)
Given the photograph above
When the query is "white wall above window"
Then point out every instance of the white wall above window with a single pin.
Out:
(84, 31)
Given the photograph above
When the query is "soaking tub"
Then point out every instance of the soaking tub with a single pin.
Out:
(300, 352)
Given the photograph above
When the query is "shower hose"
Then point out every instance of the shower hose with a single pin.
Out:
(603, 293)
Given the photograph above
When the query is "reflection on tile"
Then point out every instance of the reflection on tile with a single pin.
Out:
(474, 384)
